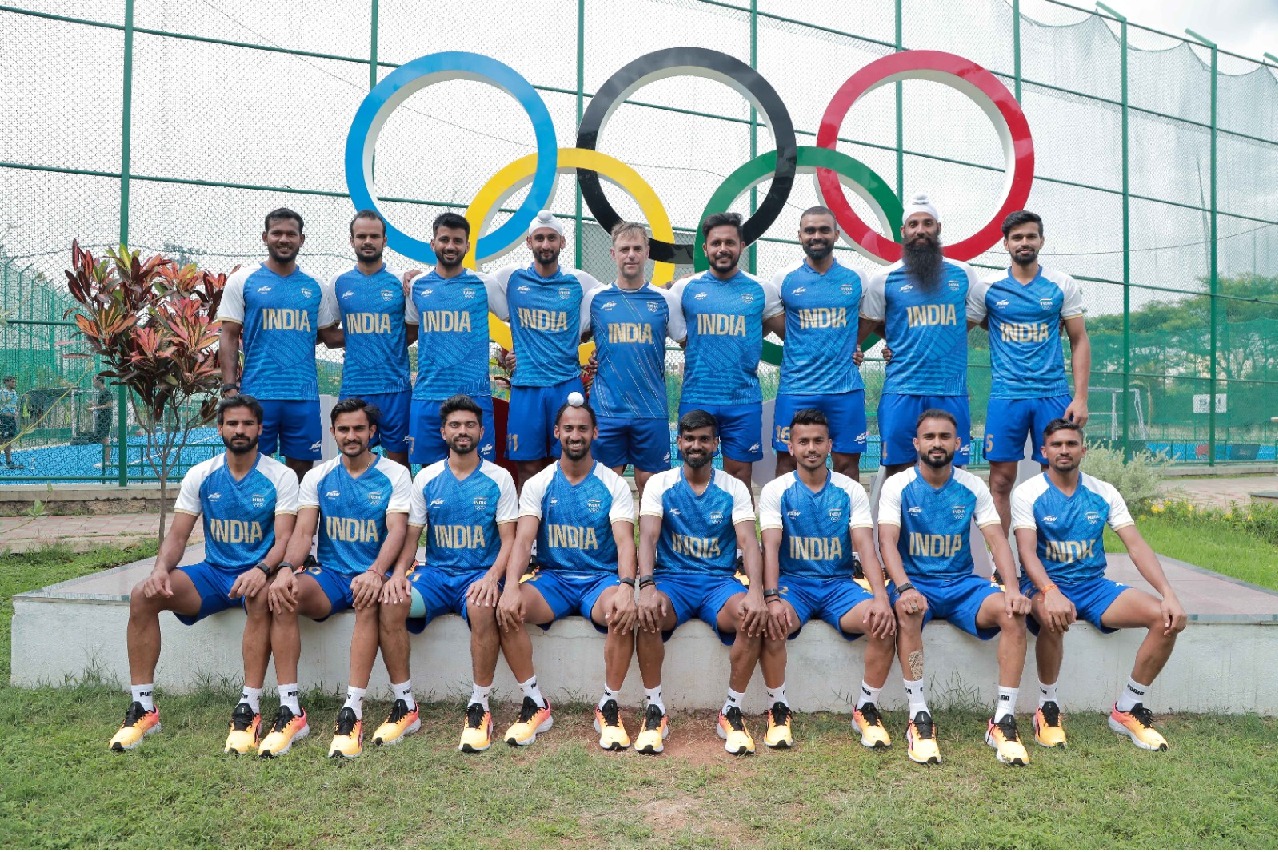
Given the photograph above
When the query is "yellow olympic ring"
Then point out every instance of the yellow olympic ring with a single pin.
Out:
(509, 179)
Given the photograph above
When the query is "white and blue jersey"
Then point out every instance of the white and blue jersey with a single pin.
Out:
(630, 328)
(816, 526)
(821, 320)
(280, 317)
(575, 530)
(239, 515)
(925, 328)
(462, 516)
(935, 523)
(725, 336)
(451, 315)
(372, 312)
(698, 532)
(352, 510)
(546, 320)
(1070, 528)
(1026, 360)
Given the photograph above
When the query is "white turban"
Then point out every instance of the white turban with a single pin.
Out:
(546, 219)
(920, 203)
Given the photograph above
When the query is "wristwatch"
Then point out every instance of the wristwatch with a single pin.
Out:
(230, 386)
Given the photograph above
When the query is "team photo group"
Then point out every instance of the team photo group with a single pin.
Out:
(560, 534)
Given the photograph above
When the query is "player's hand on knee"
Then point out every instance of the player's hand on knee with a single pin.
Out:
(651, 609)
(395, 590)
(621, 613)
(510, 609)
(366, 588)
(283, 593)
(483, 592)
(250, 584)
(752, 613)
(1173, 615)
(1058, 611)
(879, 618)
(780, 624)
(911, 604)
(1015, 603)
(157, 584)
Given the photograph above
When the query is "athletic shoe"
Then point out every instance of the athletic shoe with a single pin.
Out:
(778, 735)
(348, 735)
(612, 733)
(245, 724)
(138, 723)
(533, 720)
(286, 730)
(1049, 731)
(867, 721)
(1137, 724)
(398, 724)
(1003, 738)
(732, 730)
(653, 732)
(477, 734)
(920, 739)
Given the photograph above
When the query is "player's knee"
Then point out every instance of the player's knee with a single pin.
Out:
(1002, 481)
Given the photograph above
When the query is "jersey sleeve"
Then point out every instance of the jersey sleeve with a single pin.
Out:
(533, 493)
(650, 504)
(1072, 306)
(623, 505)
(1119, 516)
(873, 299)
(860, 503)
(308, 491)
(587, 299)
(890, 499)
(188, 499)
(975, 295)
(411, 316)
(285, 490)
(330, 313)
(676, 326)
(1023, 507)
(232, 304)
(742, 502)
(401, 490)
(985, 513)
(770, 504)
(496, 289)
(417, 499)
(772, 306)
(507, 500)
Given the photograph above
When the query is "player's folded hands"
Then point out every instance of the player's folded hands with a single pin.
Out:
(395, 589)
(483, 592)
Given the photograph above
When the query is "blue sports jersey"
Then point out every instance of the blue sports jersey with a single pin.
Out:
(372, 312)
(821, 321)
(1025, 333)
(725, 336)
(352, 510)
(451, 315)
(1071, 543)
(936, 522)
(816, 526)
(546, 321)
(698, 533)
(926, 329)
(575, 533)
(239, 515)
(280, 318)
(630, 328)
(462, 516)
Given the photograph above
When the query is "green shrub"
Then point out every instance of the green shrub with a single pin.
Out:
(1137, 480)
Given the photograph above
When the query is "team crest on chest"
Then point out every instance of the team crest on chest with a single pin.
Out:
(374, 497)
(1045, 304)
(716, 517)
(1093, 517)
(652, 307)
(958, 511)
(388, 295)
(748, 298)
(565, 293)
(594, 504)
(258, 500)
(481, 503)
(468, 292)
(307, 292)
(836, 513)
(846, 289)
(954, 285)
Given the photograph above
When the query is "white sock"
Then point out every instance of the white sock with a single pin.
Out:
(355, 700)
(530, 690)
(288, 698)
(404, 692)
(1132, 694)
(1046, 693)
(1006, 705)
(252, 697)
(479, 695)
(608, 695)
(653, 696)
(778, 694)
(144, 694)
(869, 695)
(734, 700)
(914, 692)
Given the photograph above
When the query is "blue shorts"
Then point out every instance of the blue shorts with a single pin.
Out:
(428, 444)
(831, 599)
(1090, 599)
(898, 424)
(530, 431)
(740, 428)
(392, 428)
(437, 592)
(292, 426)
(1008, 422)
(699, 595)
(571, 592)
(214, 585)
(956, 602)
(336, 586)
(643, 442)
(845, 411)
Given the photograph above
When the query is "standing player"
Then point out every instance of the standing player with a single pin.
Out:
(248, 501)
(582, 518)
(358, 502)
(812, 520)
(691, 521)
(9, 418)
(546, 322)
(1059, 519)
(468, 508)
(630, 321)
(925, 515)
(727, 312)
(923, 305)
(822, 299)
(1025, 307)
(276, 311)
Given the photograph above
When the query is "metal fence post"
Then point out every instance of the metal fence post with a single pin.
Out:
(122, 416)
(900, 115)
(372, 47)
(1016, 48)
(581, 107)
(752, 258)
(1212, 270)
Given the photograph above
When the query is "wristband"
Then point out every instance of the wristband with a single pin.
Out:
(905, 587)
(230, 386)
(645, 582)
(772, 593)
(282, 566)
(374, 571)
(626, 581)
(266, 569)
(1049, 587)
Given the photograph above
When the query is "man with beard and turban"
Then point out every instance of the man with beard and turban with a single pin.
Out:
(923, 306)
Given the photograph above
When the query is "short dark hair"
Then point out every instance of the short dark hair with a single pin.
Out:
(718, 220)
(460, 402)
(280, 214)
(1021, 217)
(1060, 423)
(594, 421)
(450, 220)
(352, 404)
(818, 210)
(10, 378)
(698, 419)
(809, 417)
(937, 413)
(239, 400)
(368, 214)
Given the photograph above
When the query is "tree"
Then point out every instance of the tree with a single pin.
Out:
(152, 323)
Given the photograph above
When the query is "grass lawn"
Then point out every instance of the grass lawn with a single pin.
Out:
(1232, 552)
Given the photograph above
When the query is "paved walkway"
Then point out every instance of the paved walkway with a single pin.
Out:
(1220, 492)
(79, 532)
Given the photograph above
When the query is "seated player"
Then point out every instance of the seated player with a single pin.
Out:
(812, 521)
(691, 521)
(359, 504)
(248, 501)
(467, 506)
(1059, 518)
(925, 513)
(582, 518)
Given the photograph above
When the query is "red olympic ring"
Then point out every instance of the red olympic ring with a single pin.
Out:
(966, 77)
